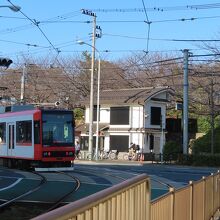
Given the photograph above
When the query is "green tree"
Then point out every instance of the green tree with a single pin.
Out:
(203, 144)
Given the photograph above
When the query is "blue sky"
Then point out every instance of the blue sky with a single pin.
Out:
(123, 32)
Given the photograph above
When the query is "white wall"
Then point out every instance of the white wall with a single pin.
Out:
(104, 115)
(87, 115)
(136, 117)
(107, 143)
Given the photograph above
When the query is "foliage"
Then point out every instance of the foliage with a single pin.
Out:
(171, 150)
(203, 124)
(78, 113)
(200, 160)
(203, 144)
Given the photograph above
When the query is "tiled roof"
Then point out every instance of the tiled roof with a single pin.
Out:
(129, 96)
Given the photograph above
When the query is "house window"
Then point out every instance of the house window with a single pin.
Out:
(95, 113)
(119, 115)
(155, 115)
(119, 142)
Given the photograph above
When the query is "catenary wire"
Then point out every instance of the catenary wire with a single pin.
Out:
(160, 9)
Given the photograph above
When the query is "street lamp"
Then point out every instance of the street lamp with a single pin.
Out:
(98, 95)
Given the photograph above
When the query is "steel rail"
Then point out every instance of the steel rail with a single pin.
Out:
(104, 173)
(9, 202)
(74, 189)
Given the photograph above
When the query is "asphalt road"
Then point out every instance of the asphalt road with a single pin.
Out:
(95, 177)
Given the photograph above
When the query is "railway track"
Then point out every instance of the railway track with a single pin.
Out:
(66, 195)
(163, 183)
(98, 172)
(16, 204)
(11, 201)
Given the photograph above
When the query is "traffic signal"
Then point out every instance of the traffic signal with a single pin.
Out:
(5, 62)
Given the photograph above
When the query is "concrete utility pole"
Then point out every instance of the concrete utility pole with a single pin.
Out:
(98, 95)
(89, 13)
(212, 115)
(185, 102)
(162, 138)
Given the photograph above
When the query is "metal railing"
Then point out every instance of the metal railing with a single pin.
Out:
(129, 200)
(197, 201)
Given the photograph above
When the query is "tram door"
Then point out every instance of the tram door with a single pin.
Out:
(11, 138)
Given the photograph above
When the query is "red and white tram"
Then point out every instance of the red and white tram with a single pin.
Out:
(35, 137)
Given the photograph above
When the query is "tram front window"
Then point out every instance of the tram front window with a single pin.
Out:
(57, 129)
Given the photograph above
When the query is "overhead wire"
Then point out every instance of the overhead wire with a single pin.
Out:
(161, 39)
(160, 9)
(64, 17)
(131, 21)
(37, 23)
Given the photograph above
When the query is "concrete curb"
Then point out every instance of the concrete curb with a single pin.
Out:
(109, 162)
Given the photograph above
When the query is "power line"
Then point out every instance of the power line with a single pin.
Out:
(24, 27)
(12, 17)
(160, 9)
(135, 21)
(186, 19)
(37, 25)
(162, 39)
(20, 43)
(205, 55)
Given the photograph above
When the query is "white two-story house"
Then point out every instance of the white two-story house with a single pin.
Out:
(134, 115)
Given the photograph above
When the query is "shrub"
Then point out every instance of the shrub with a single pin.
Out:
(203, 144)
(201, 160)
(171, 150)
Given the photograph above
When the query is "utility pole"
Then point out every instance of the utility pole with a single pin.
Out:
(89, 13)
(162, 138)
(185, 102)
(212, 115)
(23, 84)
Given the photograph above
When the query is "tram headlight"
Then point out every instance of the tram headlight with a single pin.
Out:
(70, 153)
(46, 154)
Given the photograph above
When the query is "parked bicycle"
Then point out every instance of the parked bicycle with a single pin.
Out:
(131, 155)
(92, 156)
(112, 154)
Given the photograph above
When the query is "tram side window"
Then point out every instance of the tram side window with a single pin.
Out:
(2, 133)
(24, 131)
